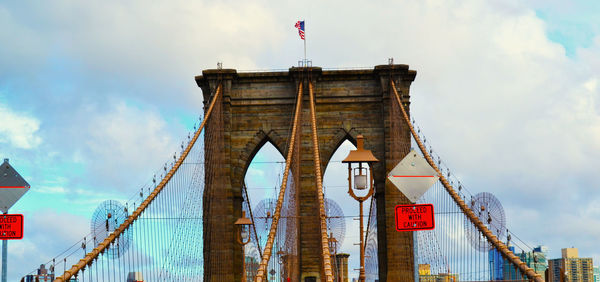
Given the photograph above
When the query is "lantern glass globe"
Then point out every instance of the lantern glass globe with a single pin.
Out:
(360, 181)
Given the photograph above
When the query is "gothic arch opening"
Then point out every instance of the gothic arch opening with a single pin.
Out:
(262, 180)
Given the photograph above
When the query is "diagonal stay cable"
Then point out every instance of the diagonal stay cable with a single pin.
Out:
(466, 210)
(317, 160)
(266, 256)
(252, 217)
(134, 216)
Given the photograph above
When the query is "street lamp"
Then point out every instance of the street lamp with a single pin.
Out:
(363, 180)
(243, 224)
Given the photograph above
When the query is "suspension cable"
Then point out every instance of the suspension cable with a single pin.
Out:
(266, 256)
(252, 217)
(324, 238)
(499, 245)
(134, 216)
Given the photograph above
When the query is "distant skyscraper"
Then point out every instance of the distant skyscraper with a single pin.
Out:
(569, 253)
(496, 264)
(509, 272)
(536, 260)
(570, 267)
(135, 277)
(502, 269)
(596, 273)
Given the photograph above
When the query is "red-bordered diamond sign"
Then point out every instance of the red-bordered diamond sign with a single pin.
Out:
(414, 217)
(11, 226)
(413, 176)
(12, 186)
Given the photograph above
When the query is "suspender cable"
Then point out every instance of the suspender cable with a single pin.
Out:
(324, 238)
(512, 258)
(134, 216)
(262, 269)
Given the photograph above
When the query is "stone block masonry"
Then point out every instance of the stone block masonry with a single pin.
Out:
(258, 107)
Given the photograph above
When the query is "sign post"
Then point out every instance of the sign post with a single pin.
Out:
(413, 176)
(12, 188)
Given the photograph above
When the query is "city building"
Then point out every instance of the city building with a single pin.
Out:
(596, 273)
(509, 271)
(570, 267)
(496, 264)
(501, 269)
(135, 277)
(536, 260)
(440, 277)
(424, 269)
(426, 276)
(42, 275)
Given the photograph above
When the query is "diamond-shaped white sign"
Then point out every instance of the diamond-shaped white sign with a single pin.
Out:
(12, 186)
(413, 176)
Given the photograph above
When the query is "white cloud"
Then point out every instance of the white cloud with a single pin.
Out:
(46, 234)
(253, 172)
(18, 129)
(50, 190)
(499, 101)
(21, 46)
(124, 141)
(122, 46)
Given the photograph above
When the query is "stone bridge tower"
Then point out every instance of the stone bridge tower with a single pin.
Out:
(257, 107)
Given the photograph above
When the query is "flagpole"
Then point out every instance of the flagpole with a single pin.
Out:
(305, 63)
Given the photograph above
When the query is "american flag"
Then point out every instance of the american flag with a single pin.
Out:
(300, 26)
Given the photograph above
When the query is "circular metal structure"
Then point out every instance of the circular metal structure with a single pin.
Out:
(107, 217)
(263, 217)
(371, 261)
(336, 223)
(491, 213)
(252, 257)
(371, 256)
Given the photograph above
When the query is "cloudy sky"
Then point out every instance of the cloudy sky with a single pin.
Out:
(95, 96)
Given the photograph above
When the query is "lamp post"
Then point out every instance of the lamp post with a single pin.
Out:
(363, 180)
(243, 224)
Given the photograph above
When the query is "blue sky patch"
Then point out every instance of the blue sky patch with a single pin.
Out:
(573, 27)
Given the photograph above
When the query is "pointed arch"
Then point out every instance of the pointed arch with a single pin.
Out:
(335, 186)
(340, 136)
(263, 174)
(335, 183)
(252, 147)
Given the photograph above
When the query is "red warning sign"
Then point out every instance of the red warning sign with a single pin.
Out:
(11, 226)
(414, 217)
